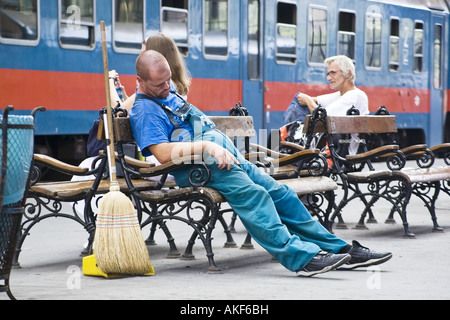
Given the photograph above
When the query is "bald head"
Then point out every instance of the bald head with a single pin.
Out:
(153, 74)
(149, 62)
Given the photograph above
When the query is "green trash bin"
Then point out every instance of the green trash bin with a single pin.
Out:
(16, 144)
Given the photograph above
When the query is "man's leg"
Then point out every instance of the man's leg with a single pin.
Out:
(294, 214)
(257, 211)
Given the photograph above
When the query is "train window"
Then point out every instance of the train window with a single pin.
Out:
(254, 30)
(19, 22)
(373, 40)
(128, 25)
(286, 33)
(418, 47)
(437, 63)
(77, 24)
(215, 29)
(347, 34)
(317, 35)
(175, 22)
(394, 45)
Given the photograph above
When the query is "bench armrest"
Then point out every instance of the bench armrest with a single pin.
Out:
(255, 156)
(443, 149)
(132, 162)
(424, 157)
(170, 166)
(384, 151)
(268, 152)
(310, 159)
(292, 146)
(395, 159)
(58, 165)
(409, 151)
(296, 157)
(414, 149)
(279, 159)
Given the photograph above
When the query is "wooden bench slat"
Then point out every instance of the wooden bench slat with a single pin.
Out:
(163, 195)
(361, 124)
(68, 189)
(432, 174)
(354, 124)
(240, 126)
(310, 185)
(301, 186)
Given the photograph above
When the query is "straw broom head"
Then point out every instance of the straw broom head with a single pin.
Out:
(119, 246)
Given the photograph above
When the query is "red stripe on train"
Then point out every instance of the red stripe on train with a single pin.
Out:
(27, 89)
(215, 95)
(397, 100)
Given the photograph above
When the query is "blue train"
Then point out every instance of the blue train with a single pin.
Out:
(260, 52)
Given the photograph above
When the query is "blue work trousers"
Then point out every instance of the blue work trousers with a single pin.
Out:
(272, 214)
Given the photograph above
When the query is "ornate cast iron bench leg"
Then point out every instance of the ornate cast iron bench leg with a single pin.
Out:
(156, 219)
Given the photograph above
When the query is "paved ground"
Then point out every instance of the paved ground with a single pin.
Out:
(51, 266)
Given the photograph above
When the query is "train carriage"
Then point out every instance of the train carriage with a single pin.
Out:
(260, 52)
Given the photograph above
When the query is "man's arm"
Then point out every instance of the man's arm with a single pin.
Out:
(166, 152)
(308, 101)
(128, 101)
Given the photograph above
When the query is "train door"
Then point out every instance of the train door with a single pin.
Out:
(437, 115)
(252, 59)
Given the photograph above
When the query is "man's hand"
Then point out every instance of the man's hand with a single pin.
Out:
(165, 152)
(224, 157)
(306, 100)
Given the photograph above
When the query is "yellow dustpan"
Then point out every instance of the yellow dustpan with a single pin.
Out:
(90, 268)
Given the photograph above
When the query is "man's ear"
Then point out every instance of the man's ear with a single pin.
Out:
(140, 80)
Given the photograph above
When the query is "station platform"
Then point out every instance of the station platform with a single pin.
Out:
(52, 270)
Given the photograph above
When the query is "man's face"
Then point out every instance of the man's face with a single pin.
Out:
(158, 85)
(336, 77)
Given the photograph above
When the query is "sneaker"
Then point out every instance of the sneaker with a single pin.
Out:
(323, 262)
(364, 257)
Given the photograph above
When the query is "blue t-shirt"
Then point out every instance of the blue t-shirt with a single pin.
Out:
(151, 125)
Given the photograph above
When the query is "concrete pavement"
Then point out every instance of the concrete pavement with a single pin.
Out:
(51, 266)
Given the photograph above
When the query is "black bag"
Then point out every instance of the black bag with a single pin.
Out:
(93, 144)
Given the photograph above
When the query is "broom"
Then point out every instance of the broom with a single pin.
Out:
(119, 246)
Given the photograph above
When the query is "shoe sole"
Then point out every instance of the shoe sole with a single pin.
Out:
(326, 269)
(367, 263)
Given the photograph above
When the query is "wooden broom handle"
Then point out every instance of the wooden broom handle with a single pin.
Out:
(109, 127)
